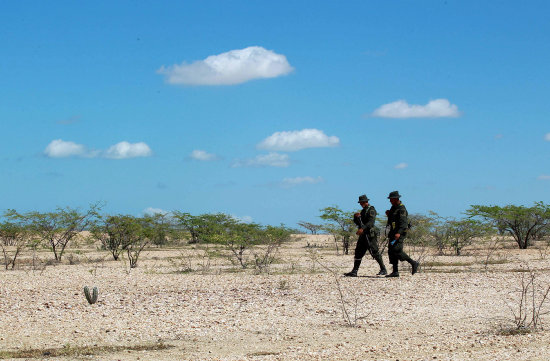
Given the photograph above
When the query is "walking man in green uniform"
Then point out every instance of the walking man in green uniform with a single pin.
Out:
(368, 237)
(399, 224)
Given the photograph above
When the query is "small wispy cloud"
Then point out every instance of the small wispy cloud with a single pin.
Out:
(202, 155)
(233, 67)
(152, 211)
(547, 137)
(71, 120)
(264, 160)
(243, 219)
(544, 177)
(63, 149)
(60, 148)
(291, 141)
(499, 136)
(401, 166)
(292, 182)
(439, 108)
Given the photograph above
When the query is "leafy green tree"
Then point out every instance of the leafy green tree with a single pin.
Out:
(114, 233)
(158, 227)
(199, 228)
(14, 237)
(519, 221)
(462, 233)
(270, 241)
(57, 228)
(239, 237)
(339, 224)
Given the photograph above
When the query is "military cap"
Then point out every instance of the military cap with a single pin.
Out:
(363, 198)
(394, 194)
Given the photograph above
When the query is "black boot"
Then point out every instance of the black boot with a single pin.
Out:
(353, 272)
(415, 267)
(380, 262)
(395, 272)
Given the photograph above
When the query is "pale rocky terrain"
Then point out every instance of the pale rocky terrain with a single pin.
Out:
(454, 309)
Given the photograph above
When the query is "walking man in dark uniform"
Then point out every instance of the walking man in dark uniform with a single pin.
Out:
(368, 237)
(399, 224)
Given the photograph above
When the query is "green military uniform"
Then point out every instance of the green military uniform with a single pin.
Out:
(368, 240)
(399, 224)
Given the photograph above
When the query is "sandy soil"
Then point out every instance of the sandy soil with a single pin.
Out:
(453, 310)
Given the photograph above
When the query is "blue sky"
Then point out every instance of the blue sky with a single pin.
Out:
(270, 111)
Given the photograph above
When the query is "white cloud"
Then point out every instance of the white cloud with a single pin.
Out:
(152, 211)
(401, 166)
(243, 219)
(125, 150)
(438, 108)
(60, 149)
(232, 67)
(264, 160)
(202, 155)
(291, 182)
(298, 139)
(544, 177)
(547, 137)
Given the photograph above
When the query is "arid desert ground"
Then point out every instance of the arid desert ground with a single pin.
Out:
(192, 303)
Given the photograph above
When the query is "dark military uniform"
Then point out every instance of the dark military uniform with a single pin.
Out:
(398, 222)
(368, 240)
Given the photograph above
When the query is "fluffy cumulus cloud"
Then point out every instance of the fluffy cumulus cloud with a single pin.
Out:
(401, 166)
(232, 67)
(439, 108)
(292, 182)
(202, 155)
(124, 150)
(292, 141)
(60, 149)
(547, 137)
(264, 160)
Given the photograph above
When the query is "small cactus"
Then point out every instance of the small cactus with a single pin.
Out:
(93, 297)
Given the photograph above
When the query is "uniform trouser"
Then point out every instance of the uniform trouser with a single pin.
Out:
(396, 253)
(370, 244)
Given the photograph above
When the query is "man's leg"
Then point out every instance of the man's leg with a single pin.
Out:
(375, 253)
(405, 257)
(393, 251)
(360, 250)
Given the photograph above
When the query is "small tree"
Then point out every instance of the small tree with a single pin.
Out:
(14, 236)
(518, 221)
(270, 242)
(124, 233)
(340, 224)
(200, 227)
(57, 228)
(420, 235)
(114, 233)
(313, 228)
(158, 227)
(239, 237)
(463, 232)
(138, 236)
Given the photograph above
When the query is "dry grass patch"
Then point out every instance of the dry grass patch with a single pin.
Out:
(74, 351)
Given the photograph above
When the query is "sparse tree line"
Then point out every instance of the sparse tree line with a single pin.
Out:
(524, 224)
(127, 235)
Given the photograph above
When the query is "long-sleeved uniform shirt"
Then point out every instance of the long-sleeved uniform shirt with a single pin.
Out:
(398, 220)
